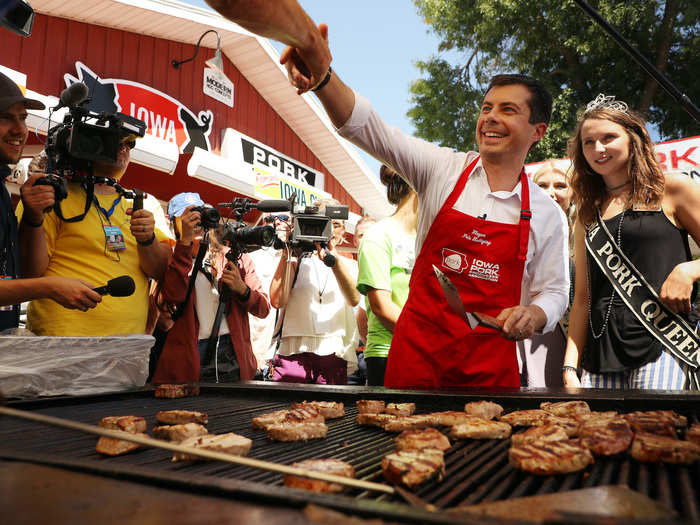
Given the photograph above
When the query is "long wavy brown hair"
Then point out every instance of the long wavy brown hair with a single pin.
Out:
(645, 172)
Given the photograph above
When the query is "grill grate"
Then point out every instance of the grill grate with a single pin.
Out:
(476, 471)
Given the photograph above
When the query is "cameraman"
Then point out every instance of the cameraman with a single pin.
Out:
(319, 331)
(70, 293)
(184, 355)
(111, 240)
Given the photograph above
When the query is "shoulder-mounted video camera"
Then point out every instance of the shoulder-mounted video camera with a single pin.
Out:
(309, 225)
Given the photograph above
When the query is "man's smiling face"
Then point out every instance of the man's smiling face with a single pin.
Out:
(13, 133)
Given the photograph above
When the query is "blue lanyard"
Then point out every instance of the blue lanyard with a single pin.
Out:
(107, 213)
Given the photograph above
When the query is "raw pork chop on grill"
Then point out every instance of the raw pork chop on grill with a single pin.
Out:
(653, 448)
(131, 424)
(328, 409)
(400, 409)
(175, 391)
(307, 414)
(327, 466)
(566, 408)
(180, 417)
(228, 443)
(401, 423)
(484, 409)
(302, 431)
(116, 447)
(606, 437)
(421, 439)
(374, 420)
(179, 433)
(551, 457)
(411, 468)
(368, 406)
(478, 428)
(546, 432)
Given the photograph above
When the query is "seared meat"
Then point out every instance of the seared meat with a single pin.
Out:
(526, 418)
(328, 409)
(374, 420)
(606, 437)
(328, 466)
(478, 428)
(179, 433)
(175, 391)
(547, 432)
(400, 409)
(131, 424)
(307, 414)
(551, 457)
(180, 417)
(401, 423)
(693, 434)
(116, 447)
(270, 418)
(303, 431)
(570, 425)
(484, 409)
(585, 416)
(661, 422)
(653, 448)
(451, 417)
(421, 439)
(365, 406)
(228, 443)
(411, 468)
(566, 408)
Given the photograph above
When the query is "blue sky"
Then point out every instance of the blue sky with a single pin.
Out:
(374, 44)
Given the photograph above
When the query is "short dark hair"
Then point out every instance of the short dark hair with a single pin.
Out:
(396, 187)
(540, 102)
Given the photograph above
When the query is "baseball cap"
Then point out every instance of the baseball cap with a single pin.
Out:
(181, 201)
(10, 94)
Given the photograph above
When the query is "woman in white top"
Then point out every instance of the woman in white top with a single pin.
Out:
(319, 332)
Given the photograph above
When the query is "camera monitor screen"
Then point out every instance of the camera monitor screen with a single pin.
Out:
(312, 228)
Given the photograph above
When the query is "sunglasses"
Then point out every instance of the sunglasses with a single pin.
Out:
(271, 218)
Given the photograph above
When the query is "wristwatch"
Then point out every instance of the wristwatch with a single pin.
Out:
(243, 298)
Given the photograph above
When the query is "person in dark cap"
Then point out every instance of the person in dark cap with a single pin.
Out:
(68, 292)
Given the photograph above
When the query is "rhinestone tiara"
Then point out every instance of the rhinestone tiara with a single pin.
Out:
(606, 102)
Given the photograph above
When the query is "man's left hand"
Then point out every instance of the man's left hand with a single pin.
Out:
(521, 322)
(231, 277)
(36, 198)
(142, 224)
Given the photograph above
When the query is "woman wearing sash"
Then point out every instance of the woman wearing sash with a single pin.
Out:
(631, 239)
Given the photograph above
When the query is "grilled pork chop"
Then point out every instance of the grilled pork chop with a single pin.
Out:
(228, 443)
(175, 391)
(400, 409)
(179, 433)
(116, 447)
(653, 448)
(550, 457)
(693, 434)
(478, 428)
(661, 422)
(421, 439)
(327, 466)
(451, 417)
(566, 408)
(484, 409)
(401, 423)
(411, 468)
(367, 406)
(606, 437)
(547, 432)
(131, 424)
(303, 431)
(328, 409)
(307, 414)
(585, 416)
(526, 418)
(180, 417)
(374, 420)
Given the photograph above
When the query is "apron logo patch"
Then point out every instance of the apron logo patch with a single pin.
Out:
(454, 261)
(484, 270)
(477, 237)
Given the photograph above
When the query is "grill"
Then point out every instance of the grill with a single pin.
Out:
(476, 470)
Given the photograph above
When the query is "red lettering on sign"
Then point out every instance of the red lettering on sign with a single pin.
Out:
(685, 157)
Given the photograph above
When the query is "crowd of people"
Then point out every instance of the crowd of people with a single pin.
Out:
(587, 272)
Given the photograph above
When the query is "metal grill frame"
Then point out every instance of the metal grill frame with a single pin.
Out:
(362, 504)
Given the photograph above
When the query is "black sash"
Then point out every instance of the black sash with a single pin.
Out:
(668, 328)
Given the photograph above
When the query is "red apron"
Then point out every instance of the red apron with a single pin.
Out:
(432, 346)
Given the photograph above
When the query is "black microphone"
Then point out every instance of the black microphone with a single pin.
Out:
(271, 206)
(72, 95)
(122, 286)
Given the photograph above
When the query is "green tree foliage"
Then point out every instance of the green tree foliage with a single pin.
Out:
(557, 43)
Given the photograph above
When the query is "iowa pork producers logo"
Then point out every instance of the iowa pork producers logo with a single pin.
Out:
(165, 117)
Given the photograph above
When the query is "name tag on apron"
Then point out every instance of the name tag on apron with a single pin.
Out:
(114, 238)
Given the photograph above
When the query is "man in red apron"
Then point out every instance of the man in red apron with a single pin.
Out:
(495, 235)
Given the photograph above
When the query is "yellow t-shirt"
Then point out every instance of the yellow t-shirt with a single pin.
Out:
(78, 249)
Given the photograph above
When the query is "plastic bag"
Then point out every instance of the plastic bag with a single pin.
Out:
(51, 366)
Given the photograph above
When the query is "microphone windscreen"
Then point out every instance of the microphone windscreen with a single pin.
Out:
(74, 94)
(122, 286)
(272, 205)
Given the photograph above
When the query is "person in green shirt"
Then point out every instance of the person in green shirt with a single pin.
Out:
(386, 258)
